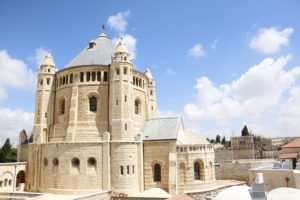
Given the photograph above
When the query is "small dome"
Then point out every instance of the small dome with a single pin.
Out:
(98, 52)
(122, 48)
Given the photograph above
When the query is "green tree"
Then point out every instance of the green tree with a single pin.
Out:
(223, 141)
(7, 153)
(218, 138)
(245, 131)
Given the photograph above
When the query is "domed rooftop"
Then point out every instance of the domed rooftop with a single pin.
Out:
(98, 52)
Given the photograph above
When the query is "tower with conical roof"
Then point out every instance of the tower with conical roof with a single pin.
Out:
(121, 91)
(45, 84)
(152, 103)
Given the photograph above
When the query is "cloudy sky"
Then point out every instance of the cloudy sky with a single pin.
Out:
(219, 64)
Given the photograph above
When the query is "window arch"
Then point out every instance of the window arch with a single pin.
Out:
(137, 107)
(55, 162)
(196, 171)
(75, 162)
(93, 104)
(92, 162)
(62, 107)
(157, 173)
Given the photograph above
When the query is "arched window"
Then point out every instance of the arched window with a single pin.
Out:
(196, 171)
(55, 162)
(121, 170)
(93, 76)
(92, 162)
(62, 107)
(137, 107)
(75, 162)
(157, 173)
(93, 104)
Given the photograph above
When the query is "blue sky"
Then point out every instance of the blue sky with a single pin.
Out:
(219, 64)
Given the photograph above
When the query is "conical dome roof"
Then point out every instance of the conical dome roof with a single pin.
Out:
(48, 60)
(98, 52)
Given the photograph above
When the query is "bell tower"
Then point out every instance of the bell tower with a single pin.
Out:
(121, 89)
(45, 83)
(151, 93)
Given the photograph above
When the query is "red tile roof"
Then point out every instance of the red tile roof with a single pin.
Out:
(293, 144)
(289, 155)
(181, 197)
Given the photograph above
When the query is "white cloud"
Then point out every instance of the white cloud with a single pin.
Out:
(118, 21)
(130, 42)
(13, 121)
(196, 51)
(170, 72)
(14, 73)
(214, 44)
(39, 57)
(270, 40)
(258, 97)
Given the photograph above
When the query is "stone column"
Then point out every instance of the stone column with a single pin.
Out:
(173, 189)
(106, 162)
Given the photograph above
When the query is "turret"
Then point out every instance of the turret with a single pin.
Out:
(152, 104)
(45, 84)
(121, 90)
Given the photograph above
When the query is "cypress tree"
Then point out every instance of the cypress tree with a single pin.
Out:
(245, 131)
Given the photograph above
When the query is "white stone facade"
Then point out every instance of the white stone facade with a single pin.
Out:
(88, 131)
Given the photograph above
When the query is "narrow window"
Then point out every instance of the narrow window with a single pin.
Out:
(81, 76)
(49, 70)
(60, 81)
(125, 98)
(137, 105)
(45, 114)
(125, 127)
(196, 171)
(9, 182)
(157, 172)
(1, 183)
(93, 104)
(64, 80)
(98, 76)
(88, 76)
(128, 172)
(55, 162)
(5, 182)
(45, 162)
(105, 76)
(125, 58)
(125, 70)
(133, 80)
(121, 170)
(118, 71)
(62, 107)
(67, 77)
(48, 81)
(152, 108)
(151, 92)
(132, 169)
(75, 162)
(117, 102)
(143, 84)
(92, 162)
(93, 76)
(71, 78)
(41, 82)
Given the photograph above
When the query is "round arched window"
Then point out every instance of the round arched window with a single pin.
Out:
(45, 161)
(92, 162)
(55, 162)
(93, 104)
(75, 162)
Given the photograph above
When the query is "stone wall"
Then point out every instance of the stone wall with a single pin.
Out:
(223, 155)
(277, 178)
(239, 170)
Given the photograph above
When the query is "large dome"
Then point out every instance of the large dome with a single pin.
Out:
(98, 52)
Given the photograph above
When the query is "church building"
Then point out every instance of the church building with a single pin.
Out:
(96, 128)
